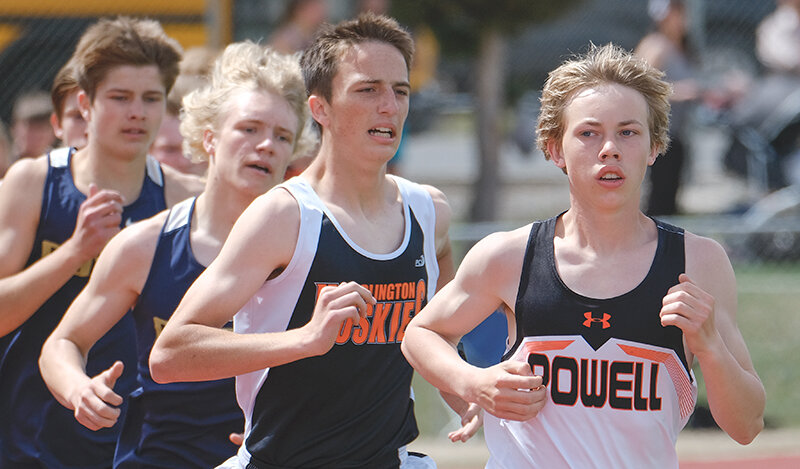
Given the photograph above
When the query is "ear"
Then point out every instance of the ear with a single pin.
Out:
(654, 153)
(85, 105)
(556, 154)
(56, 126)
(319, 109)
(209, 142)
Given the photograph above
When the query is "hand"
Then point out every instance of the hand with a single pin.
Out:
(471, 421)
(96, 404)
(236, 438)
(690, 308)
(334, 306)
(98, 221)
(509, 390)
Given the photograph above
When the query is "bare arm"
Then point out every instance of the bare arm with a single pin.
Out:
(115, 284)
(486, 280)
(444, 249)
(193, 347)
(24, 290)
(704, 306)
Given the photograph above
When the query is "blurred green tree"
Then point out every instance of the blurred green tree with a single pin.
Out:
(480, 29)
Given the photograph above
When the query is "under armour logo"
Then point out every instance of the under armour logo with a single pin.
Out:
(420, 262)
(590, 320)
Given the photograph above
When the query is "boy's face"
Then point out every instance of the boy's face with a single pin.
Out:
(127, 110)
(253, 143)
(71, 128)
(369, 99)
(605, 148)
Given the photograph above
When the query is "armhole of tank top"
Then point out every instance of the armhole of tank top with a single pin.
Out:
(523, 286)
(419, 204)
(307, 232)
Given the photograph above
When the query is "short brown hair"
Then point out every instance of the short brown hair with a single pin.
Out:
(603, 65)
(319, 62)
(111, 43)
(64, 83)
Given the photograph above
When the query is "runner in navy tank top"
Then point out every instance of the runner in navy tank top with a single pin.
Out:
(607, 308)
(327, 270)
(248, 122)
(56, 214)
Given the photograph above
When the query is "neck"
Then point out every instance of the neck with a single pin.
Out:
(92, 166)
(348, 181)
(217, 209)
(606, 232)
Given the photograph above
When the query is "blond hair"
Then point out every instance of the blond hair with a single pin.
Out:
(604, 65)
(253, 67)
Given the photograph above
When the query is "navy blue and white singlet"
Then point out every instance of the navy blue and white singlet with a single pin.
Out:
(183, 425)
(351, 407)
(35, 430)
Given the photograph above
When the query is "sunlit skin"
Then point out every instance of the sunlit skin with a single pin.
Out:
(259, 134)
(369, 102)
(606, 147)
(126, 111)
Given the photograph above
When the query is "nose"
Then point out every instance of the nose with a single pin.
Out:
(136, 109)
(388, 103)
(266, 144)
(609, 149)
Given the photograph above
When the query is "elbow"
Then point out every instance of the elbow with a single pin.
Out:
(746, 435)
(160, 369)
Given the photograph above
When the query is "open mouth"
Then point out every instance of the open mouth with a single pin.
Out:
(611, 177)
(382, 132)
(263, 169)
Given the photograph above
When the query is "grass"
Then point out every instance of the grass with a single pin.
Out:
(769, 318)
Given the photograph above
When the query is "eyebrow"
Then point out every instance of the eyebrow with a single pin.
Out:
(377, 81)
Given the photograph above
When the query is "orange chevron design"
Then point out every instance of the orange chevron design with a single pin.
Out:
(680, 379)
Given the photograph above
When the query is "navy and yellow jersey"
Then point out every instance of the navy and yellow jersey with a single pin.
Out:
(34, 426)
(619, 386)
(352, 406)
(178, 424)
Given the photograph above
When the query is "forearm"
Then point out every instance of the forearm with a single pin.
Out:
(437, 360)
(63, 369)
(25, 292)
(193, 352)
(736, 396)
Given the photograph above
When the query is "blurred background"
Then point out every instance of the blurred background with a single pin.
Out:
(479, 69)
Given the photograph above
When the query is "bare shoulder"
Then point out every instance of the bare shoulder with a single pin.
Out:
(26, 177)
(178, 186)
(498, 255)
(707, 263)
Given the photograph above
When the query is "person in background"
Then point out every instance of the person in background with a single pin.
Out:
(298, 25)
(31, 132)
(666, 48)
(5, 151)
(68, 123)
(57, 212)
(247, 124)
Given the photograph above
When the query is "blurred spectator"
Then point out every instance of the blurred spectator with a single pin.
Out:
(778, 38)
(5, 150)
(68, 123)
(298, 25)
(666, 48)
(31, 132)
(167, 147)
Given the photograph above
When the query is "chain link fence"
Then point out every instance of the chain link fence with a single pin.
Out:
(36, 38)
